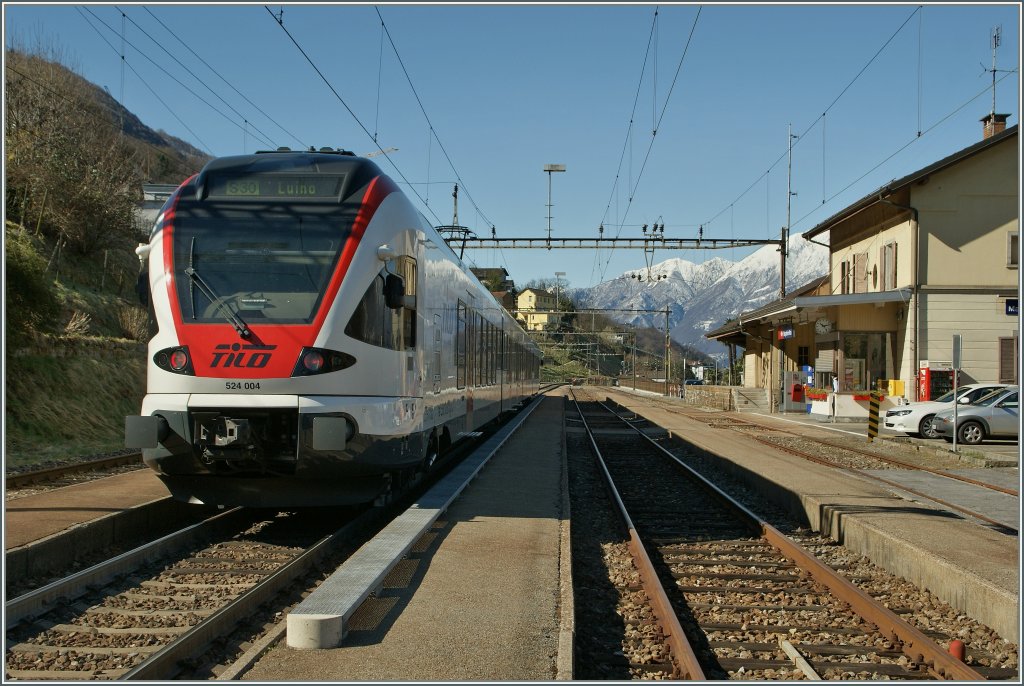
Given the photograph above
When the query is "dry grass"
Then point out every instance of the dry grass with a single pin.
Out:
(134, 323)
(69, 406)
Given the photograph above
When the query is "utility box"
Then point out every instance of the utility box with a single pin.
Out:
(896, 388)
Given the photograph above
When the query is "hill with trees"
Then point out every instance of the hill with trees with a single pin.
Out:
(75, 162)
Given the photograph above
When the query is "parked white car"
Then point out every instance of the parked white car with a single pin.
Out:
(997, 415)
(916, 418)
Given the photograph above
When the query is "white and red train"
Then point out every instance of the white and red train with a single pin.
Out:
(318, 342)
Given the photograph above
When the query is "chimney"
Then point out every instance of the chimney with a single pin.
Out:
(993, 124)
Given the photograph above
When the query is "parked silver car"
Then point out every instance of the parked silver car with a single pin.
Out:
(996, 415)
(916, 418)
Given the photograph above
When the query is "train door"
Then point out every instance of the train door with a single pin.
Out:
(435, 370)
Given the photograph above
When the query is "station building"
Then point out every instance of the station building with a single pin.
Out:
(923, 258)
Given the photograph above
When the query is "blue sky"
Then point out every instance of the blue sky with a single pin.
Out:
(510, 88)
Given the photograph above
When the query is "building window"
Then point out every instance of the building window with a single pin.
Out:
(1012, 249)
(864, 361)
(803, 356)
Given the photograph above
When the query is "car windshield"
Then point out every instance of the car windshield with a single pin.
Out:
(945, 398)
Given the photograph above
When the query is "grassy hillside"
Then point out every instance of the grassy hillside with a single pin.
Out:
(75, 162)
(75, 357)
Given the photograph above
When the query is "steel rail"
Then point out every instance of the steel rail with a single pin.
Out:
(912, 641)
(164, 663)
(51, 473)
(683, 655)
(35, 602)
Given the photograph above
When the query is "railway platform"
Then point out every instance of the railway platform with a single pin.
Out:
(485, 596)
(971, 566)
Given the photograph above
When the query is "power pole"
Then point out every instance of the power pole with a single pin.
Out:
(784, 248)
(668, 349)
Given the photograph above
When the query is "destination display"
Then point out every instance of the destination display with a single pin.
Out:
(275, 186)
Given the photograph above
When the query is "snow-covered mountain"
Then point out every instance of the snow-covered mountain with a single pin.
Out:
(702, 297)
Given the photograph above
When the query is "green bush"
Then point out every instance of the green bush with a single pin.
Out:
(31, 303)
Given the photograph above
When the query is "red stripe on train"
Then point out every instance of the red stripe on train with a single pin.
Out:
(272, 350)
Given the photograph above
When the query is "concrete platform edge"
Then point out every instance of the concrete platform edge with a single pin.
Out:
(60, 550)
(319, 620)
(564, 663)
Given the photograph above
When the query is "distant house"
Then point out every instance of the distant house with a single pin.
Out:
(923, 258)
(506, 298)
(536, 308)
(496, 278)
(154, 195)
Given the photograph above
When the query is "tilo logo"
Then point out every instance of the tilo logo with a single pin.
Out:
(229, 355)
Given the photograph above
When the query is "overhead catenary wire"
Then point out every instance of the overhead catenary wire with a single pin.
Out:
(629, 131)
(125, 63)
(654, 133)
(433, 131)
(172, 76)
(302, 51)
(113, 124)
(900, 149)
(226, 82)
(825, 111)
(246, 121)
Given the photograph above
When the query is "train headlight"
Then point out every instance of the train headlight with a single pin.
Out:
(314, 361)
(179, 360)
(176, 360)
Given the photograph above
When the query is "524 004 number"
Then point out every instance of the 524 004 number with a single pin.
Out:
(242, 386)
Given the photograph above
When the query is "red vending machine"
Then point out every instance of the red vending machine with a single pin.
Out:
(934, 379)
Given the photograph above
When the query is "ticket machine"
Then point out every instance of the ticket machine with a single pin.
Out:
(793, 393)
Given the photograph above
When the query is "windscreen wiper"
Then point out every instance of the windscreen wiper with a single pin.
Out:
(240, 326)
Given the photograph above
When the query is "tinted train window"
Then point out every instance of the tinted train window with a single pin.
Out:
(264, 263)
(375, 323)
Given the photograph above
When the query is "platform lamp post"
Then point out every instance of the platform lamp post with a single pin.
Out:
(549, 168)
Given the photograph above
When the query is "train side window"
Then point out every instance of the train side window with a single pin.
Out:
(372, 320)
(405, 267)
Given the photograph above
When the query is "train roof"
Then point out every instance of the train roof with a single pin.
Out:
(324, 160)
(355, 171)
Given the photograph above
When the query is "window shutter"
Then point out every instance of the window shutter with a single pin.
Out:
(1008, 359)
(860, 268)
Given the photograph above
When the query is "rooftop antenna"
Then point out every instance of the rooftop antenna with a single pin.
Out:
(997, 33)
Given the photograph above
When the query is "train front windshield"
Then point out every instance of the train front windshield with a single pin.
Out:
(265, 262)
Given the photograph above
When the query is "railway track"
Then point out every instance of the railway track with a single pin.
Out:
(154, 612)
(168, 609)
(743, 601)
(847, 457)
(70, 469)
